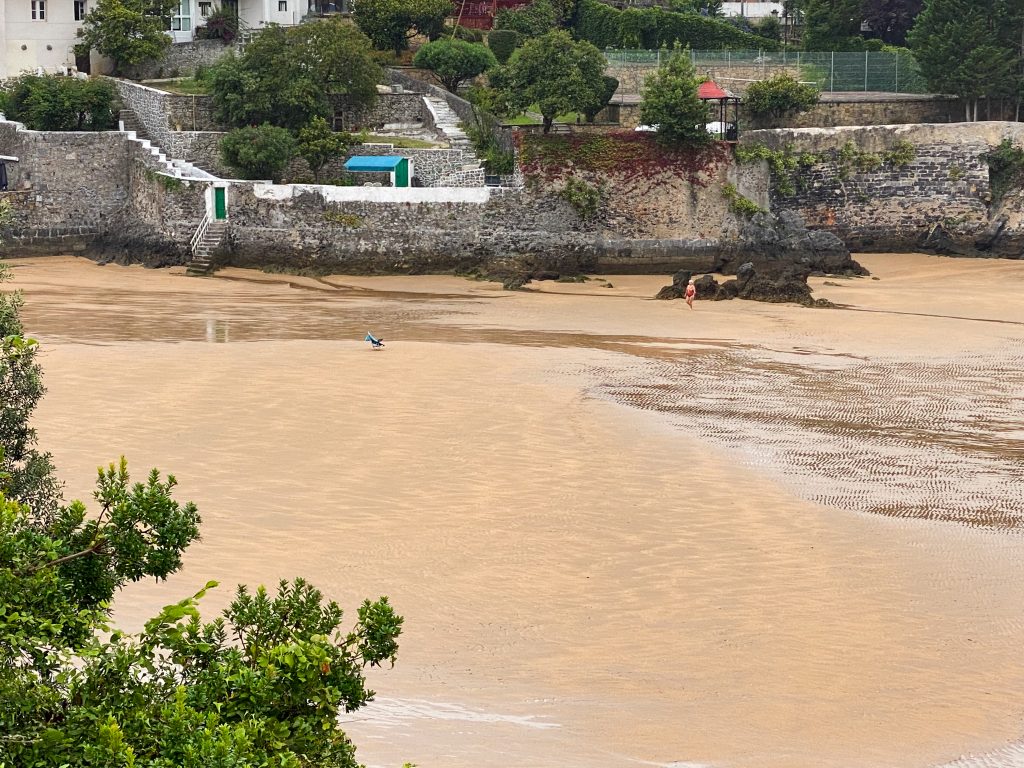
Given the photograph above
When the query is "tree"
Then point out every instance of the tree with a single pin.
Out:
(287, 76)
(555, 73)
(318, 145)
(971, 48)
(832, 25)
(258, 153)
(779, 96)
(54, 103)
(391, 24)
(129, 31)
(260, 686)
(454, 61)
(29, 474)
(611, 85)
(503, 42)
(533, 20)
(670, 102)
(891, 19)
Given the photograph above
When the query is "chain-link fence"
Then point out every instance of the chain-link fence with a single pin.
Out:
(867, 71)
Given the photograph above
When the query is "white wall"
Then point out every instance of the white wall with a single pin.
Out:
(375, 194)
(26, 44)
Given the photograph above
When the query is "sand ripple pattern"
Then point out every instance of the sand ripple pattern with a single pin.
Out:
(932, 439)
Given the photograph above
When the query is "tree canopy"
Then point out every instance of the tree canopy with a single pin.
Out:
(533, 20)
(553, 72)
(54, 103)
(287, 76)
(129, 31)
(259, 687)
(454, 61)
(318, 145)
(778, 96)
(971, 48)
(670, 102)
(391, 24)
(259, 152)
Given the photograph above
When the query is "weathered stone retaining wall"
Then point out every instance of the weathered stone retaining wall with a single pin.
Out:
(897, 209)
(182, 60)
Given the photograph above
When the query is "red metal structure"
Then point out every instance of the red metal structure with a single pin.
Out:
(479, 14)
(722, 128)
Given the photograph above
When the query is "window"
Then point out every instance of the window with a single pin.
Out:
(38, 10)
(282, 6)
(205, 8)
(182, 21)
(79, 10)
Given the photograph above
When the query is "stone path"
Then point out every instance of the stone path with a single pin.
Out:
(448, 123)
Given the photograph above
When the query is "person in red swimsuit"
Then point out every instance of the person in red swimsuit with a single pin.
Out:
(691, 292)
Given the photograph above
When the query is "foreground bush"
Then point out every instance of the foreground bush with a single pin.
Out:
(778, 96)
(56, 103)
(258, 153)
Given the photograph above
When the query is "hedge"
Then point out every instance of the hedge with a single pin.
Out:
(651, 28)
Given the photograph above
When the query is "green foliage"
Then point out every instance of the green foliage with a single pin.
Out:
(259, 687)
(503, 42)
(28, 473)
(481, 131)
(610, 86)
(738, 204)
(348, 220)
(318, 145)
(1005, 168)
(55, 103)
(391, 24)
(778, 96)
(460, 32)
(785, 165)
(971, 48)
(533, 20)
(832, 25)
(258, 153)
(454, 61)
(129, 31)
(770, 28)
(650, 28)
(584, 198)
(220, 25)
(554, 72)
(670, 102)
(285, 76)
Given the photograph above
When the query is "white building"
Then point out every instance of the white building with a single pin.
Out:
(752, 11)
(41, 34)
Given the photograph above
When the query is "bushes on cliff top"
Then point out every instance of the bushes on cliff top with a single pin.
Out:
(454, 61)
(778, 96)
(56, 103)
(670, 102)
(258, 153)
(503, 42)
(607, 27)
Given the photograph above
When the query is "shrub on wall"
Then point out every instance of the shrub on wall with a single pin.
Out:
(503, 42)
(56, 103)
(454, 61)
(779, 96)
(533, 20)
(258, 153)
(650, 28)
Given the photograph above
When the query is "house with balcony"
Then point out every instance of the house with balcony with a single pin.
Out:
(41, 34)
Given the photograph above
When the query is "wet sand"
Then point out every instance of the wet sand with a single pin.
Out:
(621, 532)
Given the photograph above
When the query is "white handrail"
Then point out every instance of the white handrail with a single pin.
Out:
(197, 238)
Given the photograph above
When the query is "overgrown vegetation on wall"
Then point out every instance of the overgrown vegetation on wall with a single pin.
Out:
(584, 198)
(1005, 168)
(650, 28)
(56, 103)
(789, 167)
(738, 204)
(629, 156)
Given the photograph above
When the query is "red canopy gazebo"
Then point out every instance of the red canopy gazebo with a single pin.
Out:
(722, 128)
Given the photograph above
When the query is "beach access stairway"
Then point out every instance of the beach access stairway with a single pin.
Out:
(208, 237)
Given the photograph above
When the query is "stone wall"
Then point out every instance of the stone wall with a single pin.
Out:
(946, 185)
(631, 77)
(181, 60)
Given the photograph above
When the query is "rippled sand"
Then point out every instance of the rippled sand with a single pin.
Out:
(621, 532)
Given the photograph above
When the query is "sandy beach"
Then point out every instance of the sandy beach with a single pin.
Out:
(621, 532)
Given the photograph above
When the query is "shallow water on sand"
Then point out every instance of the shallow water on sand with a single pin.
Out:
(621, 532)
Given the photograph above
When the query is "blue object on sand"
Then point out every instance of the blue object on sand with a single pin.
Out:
(375, 342)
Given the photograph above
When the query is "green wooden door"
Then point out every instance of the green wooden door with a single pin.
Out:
(220, 203)
(402, 173)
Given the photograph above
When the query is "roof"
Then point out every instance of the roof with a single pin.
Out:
(373, 162)
(708, 90)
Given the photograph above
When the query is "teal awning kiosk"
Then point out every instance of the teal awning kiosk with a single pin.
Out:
(399, 167)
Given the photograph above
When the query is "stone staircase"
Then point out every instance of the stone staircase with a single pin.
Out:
(213, 233)
(448, 123)
(130, 122)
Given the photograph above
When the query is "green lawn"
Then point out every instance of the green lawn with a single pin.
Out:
(400, 142)
(187, 86)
